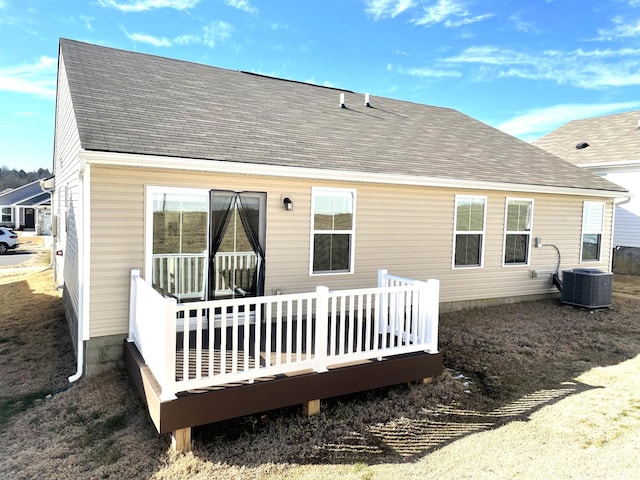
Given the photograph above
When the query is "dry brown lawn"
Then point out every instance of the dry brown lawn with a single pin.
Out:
(533, 390)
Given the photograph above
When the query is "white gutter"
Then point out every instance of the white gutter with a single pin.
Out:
(84, 247)
(618, 166)
(221, 166)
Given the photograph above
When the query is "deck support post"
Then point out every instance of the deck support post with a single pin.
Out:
(312, 407)
(181, 440)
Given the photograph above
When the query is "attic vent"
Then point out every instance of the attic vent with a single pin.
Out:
(582, 145)
(342, 105)
(366, 100)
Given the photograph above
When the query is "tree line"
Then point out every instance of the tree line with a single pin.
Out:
(11, 178)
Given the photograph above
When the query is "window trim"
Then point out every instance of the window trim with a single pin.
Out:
(150, 190)
(483, 233)
(352, 232)
(587, 232)
(517, 232)
(2, 214)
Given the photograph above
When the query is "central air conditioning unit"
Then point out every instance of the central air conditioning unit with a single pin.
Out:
(587, 287)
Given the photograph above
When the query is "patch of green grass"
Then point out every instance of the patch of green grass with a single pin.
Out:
(16, 405)
(13, 341)
(99, 429)
(106, 453)
(98, 435)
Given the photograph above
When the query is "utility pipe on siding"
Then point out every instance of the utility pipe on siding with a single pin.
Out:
(82, 235)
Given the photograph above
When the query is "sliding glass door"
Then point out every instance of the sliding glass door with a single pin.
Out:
(206, 244)
(179, 244)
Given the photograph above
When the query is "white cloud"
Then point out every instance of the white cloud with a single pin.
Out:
(388, 8)
(142, 5)
(216, 32)
(439, 12)
(521, 25)
(151, 40)
(493, 56)
(430, 73)
(620, 30)
(87, 21)
(38, 78)
(212, 34)
(580, 68)
(186, 40)
(539, 121)
(467, 20)
(451, 13)
(241, 5)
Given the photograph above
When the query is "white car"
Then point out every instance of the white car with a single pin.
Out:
(8, 240)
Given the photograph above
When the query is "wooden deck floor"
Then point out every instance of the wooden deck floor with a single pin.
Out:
(212, 404)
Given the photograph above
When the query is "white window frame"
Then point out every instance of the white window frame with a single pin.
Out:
(517, 232)
(320, 190)
(148, 221)
(589, 227)
(2, 214)
(482, 232)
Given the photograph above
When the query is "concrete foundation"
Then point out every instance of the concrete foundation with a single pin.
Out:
(102, 353)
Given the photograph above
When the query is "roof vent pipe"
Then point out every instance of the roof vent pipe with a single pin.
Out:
(367, 104)
(342, 105)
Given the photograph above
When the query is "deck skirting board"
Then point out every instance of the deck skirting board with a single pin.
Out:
(193, 409)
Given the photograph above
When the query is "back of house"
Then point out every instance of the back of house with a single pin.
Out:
(217, 184)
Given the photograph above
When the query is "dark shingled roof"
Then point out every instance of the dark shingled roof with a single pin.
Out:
(611, 138)
(135, 103)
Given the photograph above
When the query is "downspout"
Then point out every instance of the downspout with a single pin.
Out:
(83, 269)
(613, 223)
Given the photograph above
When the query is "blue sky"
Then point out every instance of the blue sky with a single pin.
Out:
(523, 67)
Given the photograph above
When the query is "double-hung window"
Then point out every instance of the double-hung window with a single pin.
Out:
(592, 227)
(332, 230)
(469, 231)
(6, 216)
(517, 231)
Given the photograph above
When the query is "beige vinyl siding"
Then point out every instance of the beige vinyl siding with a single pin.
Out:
(66, 204)
(407, 230)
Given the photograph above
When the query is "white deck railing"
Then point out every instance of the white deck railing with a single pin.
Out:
(184, 276)
(225, 341)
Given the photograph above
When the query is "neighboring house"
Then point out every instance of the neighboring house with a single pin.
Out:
(178, 183)
(27, 207)
(608, 146)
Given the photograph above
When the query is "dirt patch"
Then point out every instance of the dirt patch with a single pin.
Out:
(534, 389)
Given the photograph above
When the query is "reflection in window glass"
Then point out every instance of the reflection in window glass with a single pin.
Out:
(469, 234)
(592, 228)
(180, 232)
(333, 230)
(517, 231)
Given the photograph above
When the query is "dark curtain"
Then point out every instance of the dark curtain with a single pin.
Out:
(249, 210)
(221, 203)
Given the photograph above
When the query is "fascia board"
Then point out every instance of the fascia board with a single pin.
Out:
(218, 166)
(622, 166)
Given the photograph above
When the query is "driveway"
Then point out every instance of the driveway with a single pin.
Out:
(14, 258)
(26, 254)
